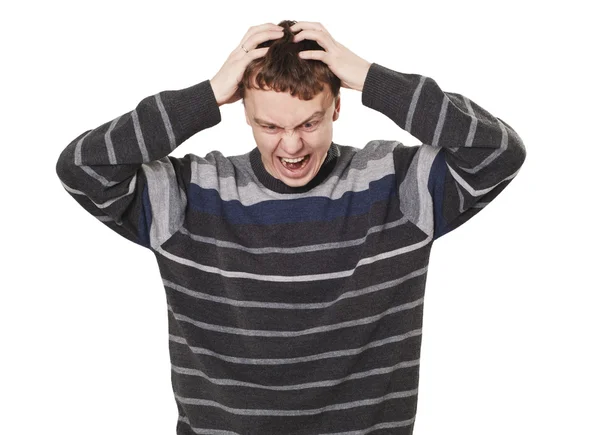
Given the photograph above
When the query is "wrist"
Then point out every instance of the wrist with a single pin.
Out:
(217, 97)
(364, 76)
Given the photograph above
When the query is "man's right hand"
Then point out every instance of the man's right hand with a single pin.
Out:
(225, 82)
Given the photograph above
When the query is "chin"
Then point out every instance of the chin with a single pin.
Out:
(296, 183)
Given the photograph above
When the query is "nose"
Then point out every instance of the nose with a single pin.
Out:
(291, 144)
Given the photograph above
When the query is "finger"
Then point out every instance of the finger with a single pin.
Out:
(256, 53)
(252, 54)
(261, 28)
(307, 25)
(323, 39)
(312, 54)
(261, 37)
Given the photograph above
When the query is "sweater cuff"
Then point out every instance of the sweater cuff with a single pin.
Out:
(192, 109)
(388, 91)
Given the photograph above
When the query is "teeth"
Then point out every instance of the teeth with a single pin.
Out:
(292, 160)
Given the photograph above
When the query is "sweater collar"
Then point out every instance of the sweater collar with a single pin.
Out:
(279, 186)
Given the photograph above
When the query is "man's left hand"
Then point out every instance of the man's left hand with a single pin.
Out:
(351, 69)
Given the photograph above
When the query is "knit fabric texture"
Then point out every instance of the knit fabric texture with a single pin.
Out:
(294, 310)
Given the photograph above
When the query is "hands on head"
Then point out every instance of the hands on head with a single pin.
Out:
(225, 82)
(350, 68)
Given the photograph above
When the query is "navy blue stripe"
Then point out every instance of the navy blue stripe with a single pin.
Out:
(273, 212)
(435, 184)
(145, 219)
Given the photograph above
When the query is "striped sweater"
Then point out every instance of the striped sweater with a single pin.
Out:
(294, 310)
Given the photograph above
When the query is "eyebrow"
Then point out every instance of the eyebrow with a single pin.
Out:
(317, 113)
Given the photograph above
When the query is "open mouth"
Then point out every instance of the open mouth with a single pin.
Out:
(295, 166)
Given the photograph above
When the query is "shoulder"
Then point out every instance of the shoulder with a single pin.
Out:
(373, 150)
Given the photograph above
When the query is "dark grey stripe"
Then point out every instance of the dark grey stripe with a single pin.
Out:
(296, 333)
(294, 249)
(295, 412)
(294, 387)
(294, 306)
(295, 278)
(300, 359)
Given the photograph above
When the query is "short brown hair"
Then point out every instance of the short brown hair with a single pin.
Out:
(281, 70)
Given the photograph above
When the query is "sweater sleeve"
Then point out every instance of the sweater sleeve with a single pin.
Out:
(120, 171)
(467, 158)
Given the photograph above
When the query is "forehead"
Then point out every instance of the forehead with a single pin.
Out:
(281, 108)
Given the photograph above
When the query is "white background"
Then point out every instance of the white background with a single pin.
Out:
(510, 333)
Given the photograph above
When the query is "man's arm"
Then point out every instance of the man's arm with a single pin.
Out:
(121, 173)
(467, 158)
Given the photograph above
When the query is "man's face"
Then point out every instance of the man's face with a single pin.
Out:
(283, 126)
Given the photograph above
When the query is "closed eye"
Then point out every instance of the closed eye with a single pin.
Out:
(307, 125)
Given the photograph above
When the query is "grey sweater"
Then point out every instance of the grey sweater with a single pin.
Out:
(294, 310)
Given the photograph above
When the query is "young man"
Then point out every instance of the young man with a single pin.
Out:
(294, 288)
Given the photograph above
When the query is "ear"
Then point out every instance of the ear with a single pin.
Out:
(336, 110)
(246, 113)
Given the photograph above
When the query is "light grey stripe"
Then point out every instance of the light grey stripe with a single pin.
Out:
(293, 412)
(294, 387)
(294, 249)
(166, 121)
(461, 201)
(139, 135)
(493, 156)
(164, 191)
(413, 104)
(472, 130)
(167, 200)
(295, 306)
(415, 201)
(111, 156)
(102, 204)
(417, 177)
(370, 164)
(498, 151)
(77, 152)
(299, 359)
(88, 170)
(203, 431)
(426, 156)
(296, 333)
(478, 192)
(440, 122)
(385, 425)
(109, 145)
(293, 278)
(474, 122)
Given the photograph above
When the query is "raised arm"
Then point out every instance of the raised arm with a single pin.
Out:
(467, 158)
(121, 173)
